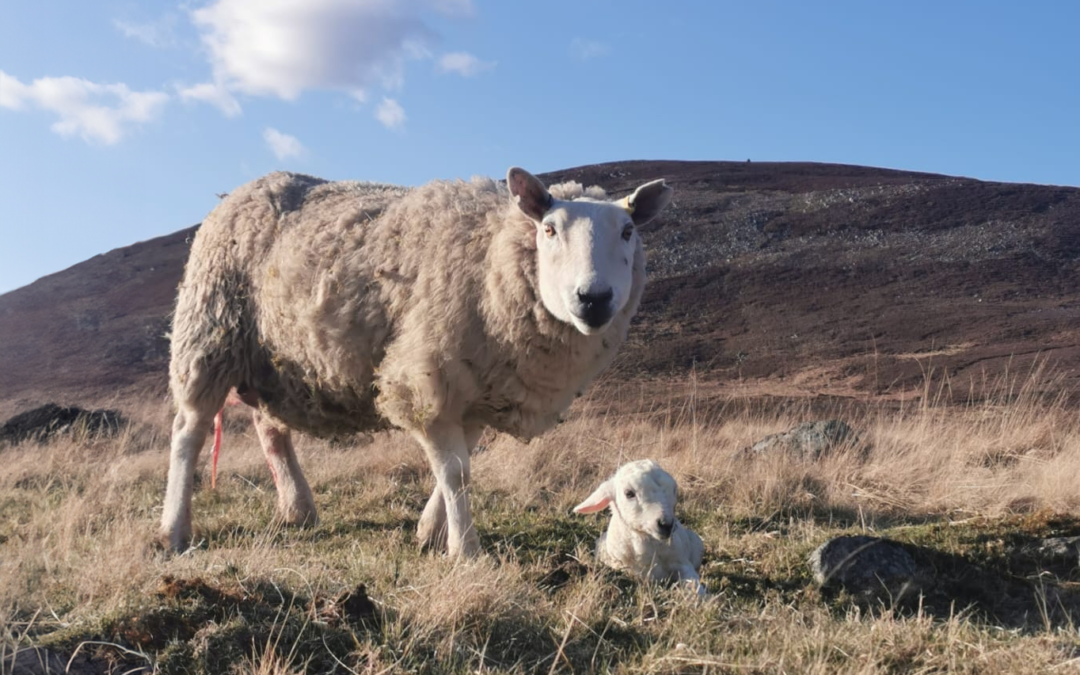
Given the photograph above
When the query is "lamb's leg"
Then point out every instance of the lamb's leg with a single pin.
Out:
(296, 505)
(190, 428)
(431, 531)
(689, 577)
(448, 453)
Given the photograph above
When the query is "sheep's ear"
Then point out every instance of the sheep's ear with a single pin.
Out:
(598, 500)
(647, 201)
(530, 194)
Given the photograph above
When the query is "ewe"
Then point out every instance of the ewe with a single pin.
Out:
(343, 307)
(644, 536)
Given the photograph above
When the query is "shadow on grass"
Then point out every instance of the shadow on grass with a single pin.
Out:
(195, 626)
(275, 531)
(532, 537)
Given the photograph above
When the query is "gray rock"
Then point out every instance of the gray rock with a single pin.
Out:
(49, 420)
(865, 566)
(811, 440)
(1056, 550)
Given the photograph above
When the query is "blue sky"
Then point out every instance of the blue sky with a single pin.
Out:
(120, 120)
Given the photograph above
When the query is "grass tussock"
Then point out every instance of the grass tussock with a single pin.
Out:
(966, 489)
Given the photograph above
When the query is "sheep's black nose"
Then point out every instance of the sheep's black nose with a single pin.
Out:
(665, 527)
(602, 298)
(595, 307)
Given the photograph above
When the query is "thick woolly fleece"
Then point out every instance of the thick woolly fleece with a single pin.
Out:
(346, 306)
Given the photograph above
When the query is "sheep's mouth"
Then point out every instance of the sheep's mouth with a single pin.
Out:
(658, 535)
(591, 320)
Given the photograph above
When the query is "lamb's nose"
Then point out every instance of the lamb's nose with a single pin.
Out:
(665, 527)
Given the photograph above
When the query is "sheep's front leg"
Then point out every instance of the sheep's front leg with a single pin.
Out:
(446, 516)
(296, 505)
(190, 428)
(431, 531)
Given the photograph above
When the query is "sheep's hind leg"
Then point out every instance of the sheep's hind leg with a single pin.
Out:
(431, 531)
(296, 504)
(190, 428)
(447, 450)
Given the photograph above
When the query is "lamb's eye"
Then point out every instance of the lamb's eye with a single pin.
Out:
(549, 230)
(627, 232)
(630, 494)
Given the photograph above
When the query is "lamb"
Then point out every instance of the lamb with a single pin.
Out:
(644, 536)
(337, 308)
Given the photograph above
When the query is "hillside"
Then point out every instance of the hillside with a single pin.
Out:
(804, 279)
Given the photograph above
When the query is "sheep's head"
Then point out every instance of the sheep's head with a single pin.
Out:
(641, 494)
(586, 247)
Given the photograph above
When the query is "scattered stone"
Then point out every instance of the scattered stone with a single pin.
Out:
(51, 420)
(1059, 550)
(865, 566)
(811, 440)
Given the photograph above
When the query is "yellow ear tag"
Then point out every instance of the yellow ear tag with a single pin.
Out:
(626, 205)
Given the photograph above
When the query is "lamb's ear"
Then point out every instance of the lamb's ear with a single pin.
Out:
(598, 500)
(648, 201)
(530, 194)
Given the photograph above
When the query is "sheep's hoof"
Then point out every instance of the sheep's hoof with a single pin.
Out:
(468, 549)
(431, 536)
(431, 531)
(172, 542)
(300, 515)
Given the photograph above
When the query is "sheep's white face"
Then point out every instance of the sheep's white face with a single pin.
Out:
(586, 248)
(642, 495)
(585, 262)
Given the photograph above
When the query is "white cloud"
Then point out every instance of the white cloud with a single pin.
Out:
(284, 47)
(213, 93)
(390, 114)
(12, 92)
(282, 145)
(98, 113)
(463, 64)
(584, 50)
(153, 33)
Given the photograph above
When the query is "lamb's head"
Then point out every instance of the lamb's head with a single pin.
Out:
(641, 495)
(586, 247)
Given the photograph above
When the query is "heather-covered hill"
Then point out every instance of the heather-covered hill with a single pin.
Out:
(804, 278)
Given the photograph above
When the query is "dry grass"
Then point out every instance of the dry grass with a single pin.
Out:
(965, 487)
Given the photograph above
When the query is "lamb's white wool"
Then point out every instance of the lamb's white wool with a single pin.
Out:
(644, 536)
(336, 308)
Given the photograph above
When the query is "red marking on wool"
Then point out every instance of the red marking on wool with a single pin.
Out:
(232, 399)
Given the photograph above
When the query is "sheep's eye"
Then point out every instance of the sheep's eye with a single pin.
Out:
(549, 230)
(627, 232)
(630, 494)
